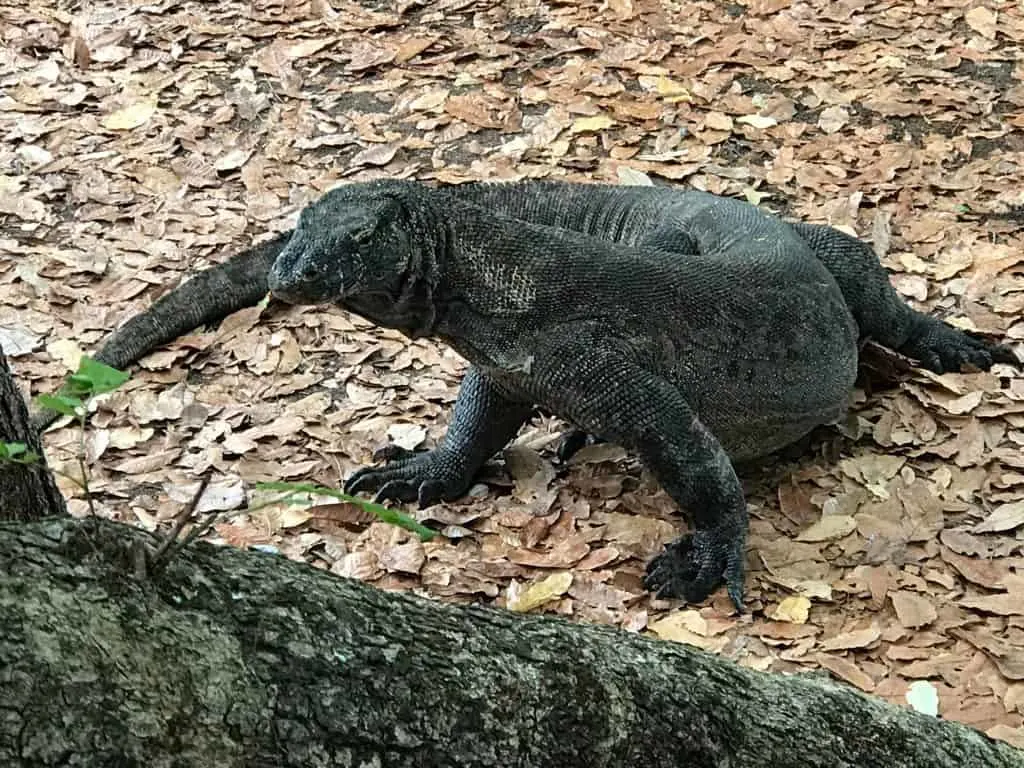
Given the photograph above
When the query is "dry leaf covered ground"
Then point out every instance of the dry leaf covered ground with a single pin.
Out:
(142, 142)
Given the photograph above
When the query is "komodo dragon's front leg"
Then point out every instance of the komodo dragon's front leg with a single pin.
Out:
(482, 422)
(599, 385)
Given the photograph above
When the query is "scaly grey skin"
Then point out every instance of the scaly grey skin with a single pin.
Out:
(486, 416)
(633, 215)
(632, 343)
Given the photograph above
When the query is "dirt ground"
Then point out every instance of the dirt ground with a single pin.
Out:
(143, 142)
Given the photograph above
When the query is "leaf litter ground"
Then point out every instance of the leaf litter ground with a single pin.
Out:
(145, 142)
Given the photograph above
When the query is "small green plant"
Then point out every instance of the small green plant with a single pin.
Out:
(383, 513)
(91, 379)
(18, 453)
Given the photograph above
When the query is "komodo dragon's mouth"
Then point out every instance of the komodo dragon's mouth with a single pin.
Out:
(323, 288)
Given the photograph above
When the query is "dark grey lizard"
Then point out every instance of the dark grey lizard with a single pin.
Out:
(688, 327)
(707, 306)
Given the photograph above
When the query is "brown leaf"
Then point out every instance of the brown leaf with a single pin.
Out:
(476, 109)
(365, 55)
(858, 638)
(1008, 658)
(344, 513)
(565, 554)
(846, 670)
(985, 573)
(913, 610)
(403, 558)
(411, 47)
(378, 154)
(828, 528)
(598, 558)
(1005, 517)
(148, 463)
(1004, 605)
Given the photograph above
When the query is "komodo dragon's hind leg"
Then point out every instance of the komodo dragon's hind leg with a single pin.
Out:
(883, 316)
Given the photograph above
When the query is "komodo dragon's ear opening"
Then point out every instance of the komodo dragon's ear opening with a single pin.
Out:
(378, 213)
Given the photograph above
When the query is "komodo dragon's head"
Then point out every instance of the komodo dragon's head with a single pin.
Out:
(367, 247)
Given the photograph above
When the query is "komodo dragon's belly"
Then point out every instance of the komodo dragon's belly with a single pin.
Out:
(761, 380)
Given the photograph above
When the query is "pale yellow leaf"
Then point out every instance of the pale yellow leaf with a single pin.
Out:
(67, 351)
(132, 116)
(718, 121)
(829, 527)
(757, 121)
(669, 89)
(681, 626)
(983, 21)
(540, 592)
(794, 610)
(595, 123)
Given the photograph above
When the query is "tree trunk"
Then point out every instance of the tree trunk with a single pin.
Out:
(234, 658)
(27, 491)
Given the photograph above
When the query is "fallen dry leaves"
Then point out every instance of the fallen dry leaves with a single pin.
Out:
(145, 142)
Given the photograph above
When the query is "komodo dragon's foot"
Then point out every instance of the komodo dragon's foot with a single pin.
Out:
(425, 477)
(692, 566)
(942, 348)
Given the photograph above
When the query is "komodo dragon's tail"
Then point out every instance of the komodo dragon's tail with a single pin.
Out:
(210, 296)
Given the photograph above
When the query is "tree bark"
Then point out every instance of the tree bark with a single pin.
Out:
(233, 658)
(27, 491)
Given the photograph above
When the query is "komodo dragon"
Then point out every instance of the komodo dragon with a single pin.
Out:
(689, 327)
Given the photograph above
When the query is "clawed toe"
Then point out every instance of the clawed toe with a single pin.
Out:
(693, 566)
(940, 348)
(406, 476)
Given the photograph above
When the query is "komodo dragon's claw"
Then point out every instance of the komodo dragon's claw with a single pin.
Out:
(425, 478)
(944, 349)
(692, 566)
